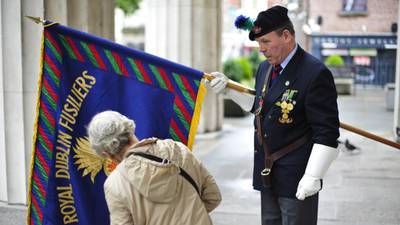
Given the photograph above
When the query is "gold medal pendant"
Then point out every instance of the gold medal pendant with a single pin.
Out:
(287, 105)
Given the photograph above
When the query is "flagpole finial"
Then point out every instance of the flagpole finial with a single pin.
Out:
(36, 19)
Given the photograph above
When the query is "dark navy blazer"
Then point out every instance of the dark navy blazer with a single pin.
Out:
(314, 97)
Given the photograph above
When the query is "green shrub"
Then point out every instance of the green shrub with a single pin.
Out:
(238, 69)
(255, 60)
(334, 60)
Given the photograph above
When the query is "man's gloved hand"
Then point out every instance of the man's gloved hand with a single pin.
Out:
(308, 186)
(218, 84)
(320, 159)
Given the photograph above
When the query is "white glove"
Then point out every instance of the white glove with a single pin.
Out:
(218, 84)
(320, 159)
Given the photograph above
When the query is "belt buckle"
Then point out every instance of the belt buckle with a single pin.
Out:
(266, 172)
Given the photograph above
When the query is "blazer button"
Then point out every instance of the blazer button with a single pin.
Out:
(265, 135)
(269, 117)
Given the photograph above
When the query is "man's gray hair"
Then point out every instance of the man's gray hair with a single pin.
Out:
(109, 131)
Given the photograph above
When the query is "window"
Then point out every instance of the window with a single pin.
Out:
(354, 7)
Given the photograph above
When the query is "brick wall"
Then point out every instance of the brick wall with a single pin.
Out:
(380, 15)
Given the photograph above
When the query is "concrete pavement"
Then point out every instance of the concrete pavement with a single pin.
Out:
(361, 188)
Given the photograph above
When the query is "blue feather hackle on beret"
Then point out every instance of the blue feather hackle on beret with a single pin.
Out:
(244, 23)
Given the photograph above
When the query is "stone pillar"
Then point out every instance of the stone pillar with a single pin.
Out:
(31, 45)
(189, 32)
(56, 10)
(13, 101)
(397, 89)
(92, 16)
(3, 168)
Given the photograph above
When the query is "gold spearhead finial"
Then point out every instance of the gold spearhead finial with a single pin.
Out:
(36, 19)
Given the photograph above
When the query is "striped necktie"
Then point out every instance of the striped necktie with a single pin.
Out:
(275, 72)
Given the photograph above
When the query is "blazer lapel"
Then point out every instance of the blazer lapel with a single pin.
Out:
(288, 77)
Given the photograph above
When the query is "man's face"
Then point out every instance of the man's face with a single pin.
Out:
(273, 46)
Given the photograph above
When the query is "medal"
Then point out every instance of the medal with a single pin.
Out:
(287, 105)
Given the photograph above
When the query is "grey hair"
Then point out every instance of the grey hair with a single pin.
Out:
(110, 131)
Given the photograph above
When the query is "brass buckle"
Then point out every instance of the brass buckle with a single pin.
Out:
(265, 172)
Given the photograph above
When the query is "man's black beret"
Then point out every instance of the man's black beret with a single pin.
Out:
(269, 20)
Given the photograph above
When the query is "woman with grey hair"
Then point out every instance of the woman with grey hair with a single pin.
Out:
(156, 182)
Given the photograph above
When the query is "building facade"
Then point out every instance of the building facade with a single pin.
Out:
(362, 32)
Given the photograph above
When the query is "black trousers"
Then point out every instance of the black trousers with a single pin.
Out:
(288, 211)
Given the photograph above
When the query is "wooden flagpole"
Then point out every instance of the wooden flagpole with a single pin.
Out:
(239, 87)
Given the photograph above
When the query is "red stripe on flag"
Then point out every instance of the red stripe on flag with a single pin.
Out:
(37, 208)
(42, 161)
(41, 189)
(178, 132)
(50, 90)
(188, 87)
(53, 42)
(166, 79)
(74, 48)
(45, 138)
(143, 72)
(120, 64)
(52, 66)
(47, 114)
(183, 109)
(97, 56)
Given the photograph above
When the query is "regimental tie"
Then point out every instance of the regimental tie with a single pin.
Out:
(275, 72)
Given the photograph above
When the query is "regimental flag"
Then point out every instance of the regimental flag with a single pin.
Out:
(82, 75)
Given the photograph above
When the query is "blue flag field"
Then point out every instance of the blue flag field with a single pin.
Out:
(82, 75)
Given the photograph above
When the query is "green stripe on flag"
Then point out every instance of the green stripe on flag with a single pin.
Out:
(49, 98)
(53, 50)
(40, 167)
(136, 69)
(38, 191)
(158, 77)
(89, 53)
(181, 117)
(112, 61)
(47, 123)
(36, 214)
(52, 74)
(197, 83)
(43, 143)
(66, 45)
(183, 89)
(174, 135)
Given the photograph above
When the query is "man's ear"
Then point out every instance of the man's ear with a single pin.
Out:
(287, 36)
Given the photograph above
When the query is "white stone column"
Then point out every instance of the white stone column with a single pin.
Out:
(396, 124)
(107, 17)
(31, 45)
(3, 168)
(13, 101)
(189, 32)
(55, 10)
(92, 16)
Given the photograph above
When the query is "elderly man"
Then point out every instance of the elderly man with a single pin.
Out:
(156, 182)
(296, 122)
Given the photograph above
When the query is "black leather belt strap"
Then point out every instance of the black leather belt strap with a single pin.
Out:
(271, 158)
(183, 173)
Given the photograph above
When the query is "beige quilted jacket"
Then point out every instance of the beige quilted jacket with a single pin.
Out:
(144, 192)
